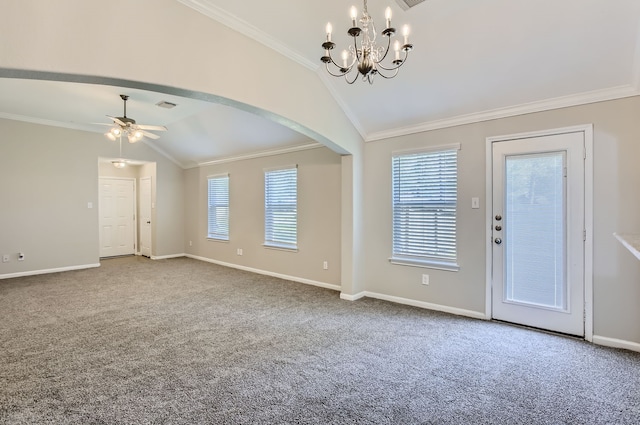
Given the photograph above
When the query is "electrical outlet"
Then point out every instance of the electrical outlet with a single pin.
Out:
(239, 251)
(190, 243)
(6, 258)
(425, 279)
(325, 265)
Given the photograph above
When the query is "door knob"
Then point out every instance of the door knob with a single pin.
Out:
(498, 241)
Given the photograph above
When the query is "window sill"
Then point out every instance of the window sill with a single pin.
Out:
(212, 239)
(281, 247)
(425, 263)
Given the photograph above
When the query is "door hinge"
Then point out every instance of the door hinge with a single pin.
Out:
(584, 235)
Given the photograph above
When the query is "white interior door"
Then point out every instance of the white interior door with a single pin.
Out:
(145, 216)
(538, 232)
(117, 217)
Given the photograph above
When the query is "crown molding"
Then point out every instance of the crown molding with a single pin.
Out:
(525, 108)
(243, 27)
(260, 154)
(50, 123)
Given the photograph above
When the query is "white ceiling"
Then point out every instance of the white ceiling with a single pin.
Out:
(472, 60)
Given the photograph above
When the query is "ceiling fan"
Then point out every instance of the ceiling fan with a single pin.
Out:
(125, 125)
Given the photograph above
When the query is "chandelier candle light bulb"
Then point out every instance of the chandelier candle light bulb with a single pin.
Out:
(366, 55)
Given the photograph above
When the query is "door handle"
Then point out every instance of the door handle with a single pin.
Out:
(498, 241)
(148, 222)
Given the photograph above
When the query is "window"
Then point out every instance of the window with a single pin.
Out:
(281, 208)
(218, 218)
(424, 208)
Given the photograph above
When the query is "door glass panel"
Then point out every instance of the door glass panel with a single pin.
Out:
(534, 228)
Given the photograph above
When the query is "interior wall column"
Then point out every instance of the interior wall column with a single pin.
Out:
(352, 224)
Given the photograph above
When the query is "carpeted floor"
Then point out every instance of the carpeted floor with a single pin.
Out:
(186, 342)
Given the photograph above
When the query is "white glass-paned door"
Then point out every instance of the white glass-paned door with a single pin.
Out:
(538, 232)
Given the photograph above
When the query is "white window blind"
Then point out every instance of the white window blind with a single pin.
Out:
(281, 208)
(218, 216)
(424, 207)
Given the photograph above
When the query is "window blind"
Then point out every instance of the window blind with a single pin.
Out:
(424, 205)
(218, 217)
(281, 208)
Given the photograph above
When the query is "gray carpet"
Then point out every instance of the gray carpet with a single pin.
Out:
(185, 342)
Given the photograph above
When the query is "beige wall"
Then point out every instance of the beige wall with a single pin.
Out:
(616, 273)
(50, 175)
(319, 229)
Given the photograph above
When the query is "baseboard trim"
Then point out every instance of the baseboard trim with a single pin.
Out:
(353, 297)
(47, 271)
(165, 257)
(616, 343)
(267, 273)
(416, 303)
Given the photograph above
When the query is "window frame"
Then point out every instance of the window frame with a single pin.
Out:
(279, 240)
(218, 236)
(401, 257)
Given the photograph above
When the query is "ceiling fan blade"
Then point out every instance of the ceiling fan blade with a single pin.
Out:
(152, 127)
(150, 135)
(117, 120)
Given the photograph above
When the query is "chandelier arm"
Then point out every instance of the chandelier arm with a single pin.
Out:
(386, 52)
(395, 68)
(388, 77)
(341, 68)
(336, 75)
(358, 52)
(355, 77)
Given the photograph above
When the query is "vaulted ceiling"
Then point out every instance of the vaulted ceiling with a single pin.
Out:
(473, 60)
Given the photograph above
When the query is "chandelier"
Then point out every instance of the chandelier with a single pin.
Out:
(364, 54)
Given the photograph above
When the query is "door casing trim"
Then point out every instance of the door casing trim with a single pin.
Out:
(587, 131)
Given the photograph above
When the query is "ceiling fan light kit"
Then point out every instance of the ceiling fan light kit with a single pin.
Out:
(364, 55)
(129, 127)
